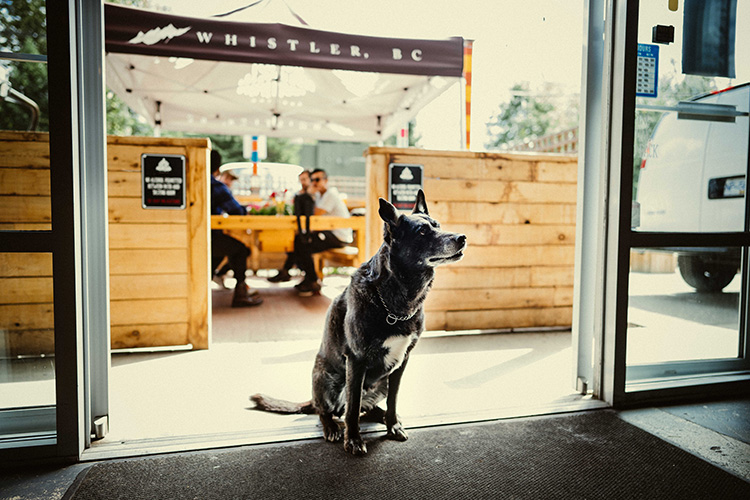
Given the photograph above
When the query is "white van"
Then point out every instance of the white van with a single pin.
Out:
(692, 179)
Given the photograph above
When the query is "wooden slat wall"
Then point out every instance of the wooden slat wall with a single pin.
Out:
(159, 261)
(26, 312)
(518, 213)
(158, 258)
(24, 181)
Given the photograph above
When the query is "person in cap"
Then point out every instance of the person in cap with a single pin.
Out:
(223, 245)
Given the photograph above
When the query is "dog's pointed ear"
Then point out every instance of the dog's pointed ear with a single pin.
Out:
(388, 212)
(420, 207)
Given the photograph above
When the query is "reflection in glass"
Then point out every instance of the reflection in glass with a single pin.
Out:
(669, 319)
(24, 107)
(691, 135)
(27, 375)
(691, 171)
(25, 203)
(23, 84)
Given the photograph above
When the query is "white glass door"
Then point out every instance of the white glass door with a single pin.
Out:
(687, 280)
(662, 290)
(53, 303)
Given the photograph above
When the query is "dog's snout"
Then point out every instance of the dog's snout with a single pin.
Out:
(461, 239)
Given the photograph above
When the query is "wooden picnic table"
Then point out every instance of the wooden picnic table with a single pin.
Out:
(275, 233)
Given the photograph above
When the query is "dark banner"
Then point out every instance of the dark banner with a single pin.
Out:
(138, 31)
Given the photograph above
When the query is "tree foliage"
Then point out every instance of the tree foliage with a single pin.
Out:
(522, 119)
(530, 114)
(23, 29)
(121, 120)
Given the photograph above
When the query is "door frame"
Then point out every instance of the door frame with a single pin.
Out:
(602, 293)
(78, 238)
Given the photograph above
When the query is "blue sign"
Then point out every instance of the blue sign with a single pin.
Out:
(647, 74)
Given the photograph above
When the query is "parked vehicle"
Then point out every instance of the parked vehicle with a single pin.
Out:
(692, 179)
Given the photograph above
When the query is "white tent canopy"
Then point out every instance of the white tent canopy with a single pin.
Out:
(224, 77)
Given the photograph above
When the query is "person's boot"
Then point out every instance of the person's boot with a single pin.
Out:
(308, 288)
(281, 276)
(243, 299)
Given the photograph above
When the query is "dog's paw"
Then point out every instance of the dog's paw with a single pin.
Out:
(355, 446)
(397, 433)
(333, 433)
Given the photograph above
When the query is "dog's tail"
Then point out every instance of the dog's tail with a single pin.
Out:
(267, 403)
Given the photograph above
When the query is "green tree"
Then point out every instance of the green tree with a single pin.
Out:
(414, 138)
(230, 146)
(523, 119)
(23, 29)
(282, 150)
(121, 120)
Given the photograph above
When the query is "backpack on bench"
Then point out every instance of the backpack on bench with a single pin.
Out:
(304, 206)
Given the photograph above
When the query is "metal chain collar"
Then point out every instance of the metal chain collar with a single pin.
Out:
(391, 319)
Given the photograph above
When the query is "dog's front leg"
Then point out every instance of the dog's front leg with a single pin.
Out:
(395, 429)
(355, 378)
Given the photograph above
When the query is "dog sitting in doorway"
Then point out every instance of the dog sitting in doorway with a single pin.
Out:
(372, 327)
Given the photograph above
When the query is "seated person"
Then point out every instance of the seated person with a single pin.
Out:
(328, 202)
(304, 203)
(304, 206)
(223, 245)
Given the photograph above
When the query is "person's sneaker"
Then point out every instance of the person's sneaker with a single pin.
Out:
(253, 300)
(281, 276)
(308, 288)
(244, 296)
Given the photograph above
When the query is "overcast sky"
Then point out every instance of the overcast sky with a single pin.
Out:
(535, 41)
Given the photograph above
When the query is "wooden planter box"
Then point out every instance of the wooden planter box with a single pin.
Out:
(159, 258)
(518, 212)
(159, 263)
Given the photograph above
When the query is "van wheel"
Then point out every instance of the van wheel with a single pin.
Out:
(704, 275)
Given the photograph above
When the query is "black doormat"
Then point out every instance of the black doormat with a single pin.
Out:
(585, 455)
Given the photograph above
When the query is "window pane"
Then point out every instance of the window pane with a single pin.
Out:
(23, 85)
(24, 182)
(691, 138)
(684, 305)
(27, 345)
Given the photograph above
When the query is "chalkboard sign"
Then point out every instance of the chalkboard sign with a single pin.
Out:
(163, 181)
(404, 181)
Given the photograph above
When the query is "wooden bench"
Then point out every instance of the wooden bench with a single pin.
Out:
(269, 237)
(347, 256)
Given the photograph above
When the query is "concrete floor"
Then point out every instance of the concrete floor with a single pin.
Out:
(271, 349)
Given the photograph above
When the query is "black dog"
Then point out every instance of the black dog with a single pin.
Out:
(372, 327)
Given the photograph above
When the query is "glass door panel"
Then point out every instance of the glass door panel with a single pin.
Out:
(691, 130)
(687, 289)
(28, 384)
(27, 348)
(670, 320)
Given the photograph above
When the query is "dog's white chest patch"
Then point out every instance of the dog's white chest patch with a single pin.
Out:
(396, 346)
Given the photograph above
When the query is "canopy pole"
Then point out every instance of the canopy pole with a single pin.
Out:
(157, 120)
(468, 49)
